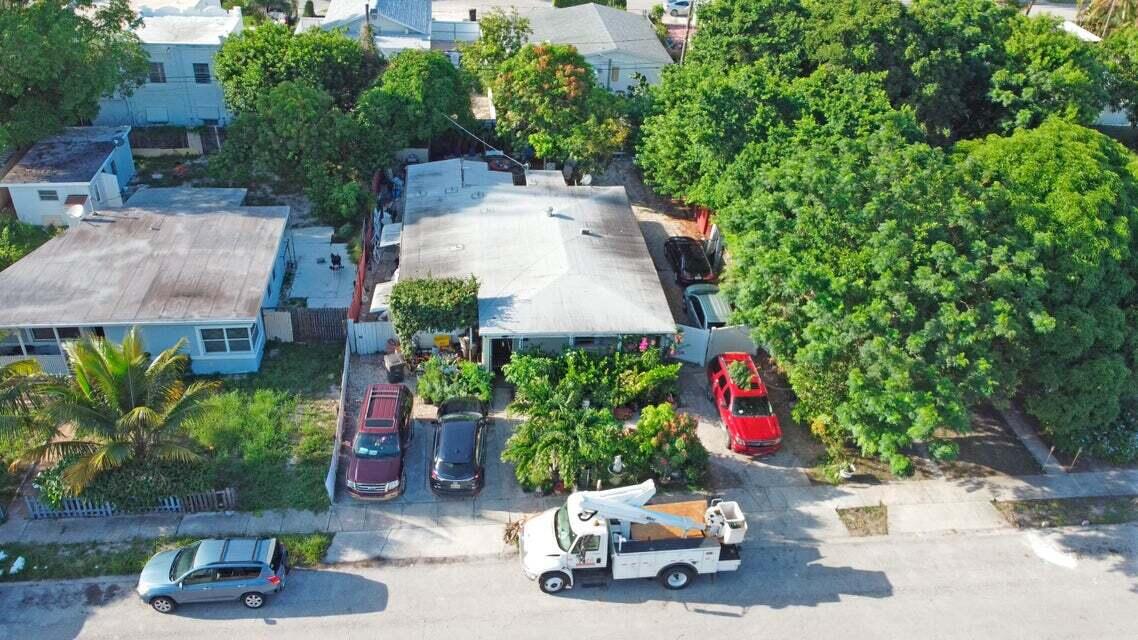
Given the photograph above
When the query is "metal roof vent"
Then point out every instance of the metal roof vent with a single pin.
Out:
(549, 212)
(586, 232)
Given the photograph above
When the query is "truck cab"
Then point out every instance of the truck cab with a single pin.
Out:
(615, 530)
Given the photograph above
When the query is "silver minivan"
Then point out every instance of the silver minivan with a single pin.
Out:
(245, 569)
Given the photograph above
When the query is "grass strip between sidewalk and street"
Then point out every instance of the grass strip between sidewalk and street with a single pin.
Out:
(866, 521)
(92, 559)
(1063, 512)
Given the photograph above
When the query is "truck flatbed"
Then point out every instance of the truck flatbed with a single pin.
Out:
(691, 509)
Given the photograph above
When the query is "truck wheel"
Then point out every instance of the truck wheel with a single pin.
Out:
(676, 577)
(162, 604)
(553, 581)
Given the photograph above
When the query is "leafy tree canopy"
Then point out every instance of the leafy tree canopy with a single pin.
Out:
(862, 35)
(58, 59)
(1048, 72)
(547, 99)
(1064, 199)
(418, 92)
(501, 36)
(739, 33)
(433, 304)
(251, 63)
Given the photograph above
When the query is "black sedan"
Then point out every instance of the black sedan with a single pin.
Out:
(456, 458)
(688, 260)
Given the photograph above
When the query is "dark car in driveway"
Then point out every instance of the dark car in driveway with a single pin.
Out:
(375, 463)
(689, 260)
(460, 439)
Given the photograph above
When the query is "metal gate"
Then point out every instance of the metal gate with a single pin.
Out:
(370, 337)
(278, 325)
(700, 345)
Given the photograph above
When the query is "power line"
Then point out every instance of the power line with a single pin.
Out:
(487, 144)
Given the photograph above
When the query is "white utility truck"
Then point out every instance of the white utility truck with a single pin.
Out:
(616, 530)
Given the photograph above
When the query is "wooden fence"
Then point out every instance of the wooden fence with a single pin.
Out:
(222, 500)
(301, 324)
(334, 465)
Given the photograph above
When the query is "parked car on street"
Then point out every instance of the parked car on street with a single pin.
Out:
(456, 457)
(245, 569)
(752, 426)
(706, 307)
(375, 463)
(678, 7)
(689, 261)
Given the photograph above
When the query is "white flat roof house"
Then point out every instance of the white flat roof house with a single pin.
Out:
(617, 44)
(556, 265)
(64, 178)
(398, 24)
(181, 38)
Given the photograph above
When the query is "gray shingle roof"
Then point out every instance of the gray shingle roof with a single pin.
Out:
(593, 29)
(413, 14)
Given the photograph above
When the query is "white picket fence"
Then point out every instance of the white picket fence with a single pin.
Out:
(222, 500)
(334, 465)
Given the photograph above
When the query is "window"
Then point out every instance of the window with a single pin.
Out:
(114, 168)
(701, 319)
(726, 396)
(201, 73)
(68, 333)
(157, 73)
(201, 576)
(590, 543)
(98, 194)
(238, 573)
(229, 339)
(614, 74)
(43, 335)
(46, 195)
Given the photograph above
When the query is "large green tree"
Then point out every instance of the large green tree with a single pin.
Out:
(1064, 200)
(501, 35)
(548, 100)
(296, 138)
(1120, 50)
(251, 63)
(959, 45)
(1048, 72)
(421, 91)
(739, 33)
(120, 405)
(860, 266)
(57, 58)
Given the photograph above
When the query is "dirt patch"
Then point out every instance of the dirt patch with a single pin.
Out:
(1063, 512)
(866, 521)
(990, 448)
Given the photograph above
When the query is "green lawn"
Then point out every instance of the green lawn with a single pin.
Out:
(86, 560)
(271, 433)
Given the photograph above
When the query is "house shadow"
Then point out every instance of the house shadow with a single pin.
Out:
(309, 594)
(778, 577)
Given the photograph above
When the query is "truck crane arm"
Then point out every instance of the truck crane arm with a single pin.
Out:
(627, 504)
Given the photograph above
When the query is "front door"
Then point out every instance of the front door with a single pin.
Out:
(198, 586)
(500, 351)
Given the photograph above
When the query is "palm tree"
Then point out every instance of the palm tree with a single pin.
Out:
(1103, 16)
(119, 406)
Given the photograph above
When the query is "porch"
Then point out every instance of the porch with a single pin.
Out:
(42, 344)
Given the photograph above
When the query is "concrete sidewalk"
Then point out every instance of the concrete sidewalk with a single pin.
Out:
(466, 529)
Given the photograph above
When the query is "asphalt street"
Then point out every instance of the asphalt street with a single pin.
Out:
(1067, 584)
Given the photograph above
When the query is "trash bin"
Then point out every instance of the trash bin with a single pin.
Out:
(395, 366)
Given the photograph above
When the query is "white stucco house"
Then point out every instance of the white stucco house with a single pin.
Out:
(64, 178)
(398, 24)
(181, 37)
(618, 44)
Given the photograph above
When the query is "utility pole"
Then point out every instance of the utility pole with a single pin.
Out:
(687, 32)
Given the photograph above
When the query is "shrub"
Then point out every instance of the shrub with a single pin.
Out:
(740, 374)
(442, 379)
(666, 445)
(18, 240)
(133, 487)
(433, 304)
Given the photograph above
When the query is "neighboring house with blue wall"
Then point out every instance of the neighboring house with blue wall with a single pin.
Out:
(192, 273)
(181, 87)
(61, 179)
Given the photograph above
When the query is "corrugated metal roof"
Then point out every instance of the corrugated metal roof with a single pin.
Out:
(129, 266)
(582, 270)
(595, 29)
(413, 14)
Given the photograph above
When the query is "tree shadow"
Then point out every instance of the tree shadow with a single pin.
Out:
(1116, 545)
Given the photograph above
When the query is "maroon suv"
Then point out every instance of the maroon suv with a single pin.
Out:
(375, 465)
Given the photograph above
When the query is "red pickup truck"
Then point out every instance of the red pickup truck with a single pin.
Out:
(752, 426)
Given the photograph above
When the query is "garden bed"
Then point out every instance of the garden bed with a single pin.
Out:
(1063, 512)
(87, 560)
(866, 521)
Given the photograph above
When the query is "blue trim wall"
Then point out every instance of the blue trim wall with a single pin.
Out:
(158, 337)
